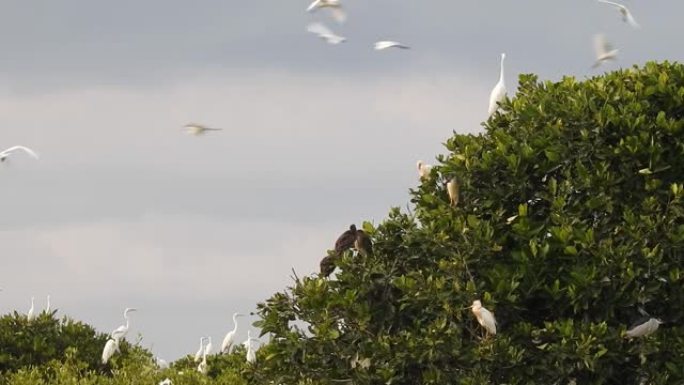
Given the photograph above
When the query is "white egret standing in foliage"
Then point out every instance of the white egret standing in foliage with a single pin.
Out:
(202, 367)
(111, 347)
(228, 340)
(484, 317)
(122, 330)
(251, 354)
(208, 347)
(47, 306)
(453, 191)
(499, 92)
(624, 12)
(200, 352)
(31, 315)
(423, 169)
(5, 153)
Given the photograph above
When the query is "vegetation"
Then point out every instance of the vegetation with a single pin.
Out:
(570, 223)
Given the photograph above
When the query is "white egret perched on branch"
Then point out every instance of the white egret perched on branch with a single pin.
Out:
(624, 12)
(385, 44)
(604, 50)
(484, 317)
(200, 352)
(198, 129)
(228, 340)
(47, 306)
(335, 6)
(423, 169)
(499, 92)
(251, 354)
(325, 33)
(122, 330)
(31, 314)
(643, 327)
(5, 153)
(111, 347)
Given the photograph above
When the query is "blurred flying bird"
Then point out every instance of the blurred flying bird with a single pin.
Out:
(31, 315)
(499, 92)
(122, 330)
(198, 129)
(4, 154)
(228, 340)
(335, 7)
(346, 240)
(384, 44)
(484, 317)
(453, 191)
(111, 347)
(325, 33)
(624, 12)
(604, 50)
(643, 327)
(423, 169)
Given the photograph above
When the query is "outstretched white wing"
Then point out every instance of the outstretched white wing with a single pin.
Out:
(19, 148)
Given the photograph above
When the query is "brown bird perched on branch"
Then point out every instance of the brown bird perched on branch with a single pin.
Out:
(346, 240)
(328, 265)
(363, 243)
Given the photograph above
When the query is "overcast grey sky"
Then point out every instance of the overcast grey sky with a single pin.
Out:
(123, 209)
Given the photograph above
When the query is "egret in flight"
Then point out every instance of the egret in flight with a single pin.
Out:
(228, 340)
(325, 33)
(198, 129)
(335, 6)
(604, 50)
(6, 153)
(499, 92)
(624, 12)
(384, 44)
(484, 317)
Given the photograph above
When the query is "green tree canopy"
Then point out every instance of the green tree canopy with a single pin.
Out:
(570, 222)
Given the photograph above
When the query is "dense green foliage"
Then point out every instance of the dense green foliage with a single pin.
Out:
(571, 220)
(570, 223)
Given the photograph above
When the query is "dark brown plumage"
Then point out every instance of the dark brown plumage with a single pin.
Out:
(363, 243)
(346, 240)
(328, 265)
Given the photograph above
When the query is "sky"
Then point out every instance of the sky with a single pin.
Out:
(124, 209)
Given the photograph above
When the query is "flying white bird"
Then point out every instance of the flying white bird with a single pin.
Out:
(31, 315)
(624, 11)
(453, 190)
(423, 169)
(111, 347)
(384, 44)
(251, 354)
(122, 330)
(208, 347)
(228, 340)
(604, 50)
(198, 129)
(643, 327)
(335, 7)
(484, 317)
(325, 33)
(4, 154)
(499, 92)
(200, 352)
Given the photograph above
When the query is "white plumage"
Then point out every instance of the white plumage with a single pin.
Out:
(208, 347)
(5, 153)
(325, 33)
(484, 317)
(122, 330)
(229, 339)
(644, 328)
(251, 354)
(499, 92)
(423, 169)
(384, 44)
(111, 347)
(453, 191)
(198, 129)
(604, 50)
(624, 12)
(200, 352)
(335, 7)
(31, 314)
